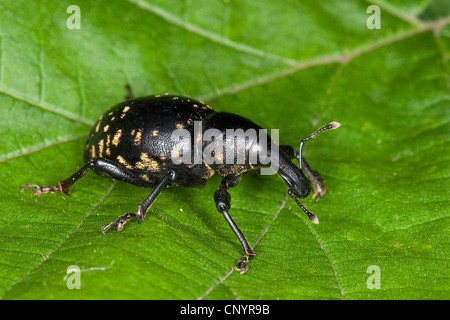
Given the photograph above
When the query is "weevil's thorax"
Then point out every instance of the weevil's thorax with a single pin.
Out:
(231, 143)
(138, 134)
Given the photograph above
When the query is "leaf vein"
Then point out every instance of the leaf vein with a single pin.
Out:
(47, 107)
(399, 14)
(222, 280)
(316, 238)
(344, 58)
(209, 35)
(24, 152)
(64, 240)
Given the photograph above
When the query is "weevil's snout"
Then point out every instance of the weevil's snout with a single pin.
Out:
(301, 191)
(298, 184)
(301, 188)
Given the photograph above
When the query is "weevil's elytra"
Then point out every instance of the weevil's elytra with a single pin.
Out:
(135, 142)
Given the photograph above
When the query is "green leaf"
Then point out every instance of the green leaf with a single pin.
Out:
(287, 65)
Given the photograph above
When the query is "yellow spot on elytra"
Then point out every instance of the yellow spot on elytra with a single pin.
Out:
(105, 128)
(145, 177)
(100, 148)
(179, 126)
(155, 133)
(117, 136)
(137, 140)
(124, 162)
(124, 111)
(108, 142)
(93, 152)
(147, 163)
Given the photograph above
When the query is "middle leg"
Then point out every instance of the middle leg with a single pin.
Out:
(143, 207)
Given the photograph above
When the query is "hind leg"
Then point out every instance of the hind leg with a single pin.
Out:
(114, 171)
(100, 166)
(63, 185)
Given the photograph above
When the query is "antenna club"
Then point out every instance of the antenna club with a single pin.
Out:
(314, 219)
(334, 125)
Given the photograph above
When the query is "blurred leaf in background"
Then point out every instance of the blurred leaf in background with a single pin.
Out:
(288, 65)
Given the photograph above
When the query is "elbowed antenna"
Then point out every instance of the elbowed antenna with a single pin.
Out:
(311, 216)
(331, 126)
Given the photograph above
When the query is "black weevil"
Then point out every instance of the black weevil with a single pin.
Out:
(151, 142)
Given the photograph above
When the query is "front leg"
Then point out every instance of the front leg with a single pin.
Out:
(316, 180)
(222, 199)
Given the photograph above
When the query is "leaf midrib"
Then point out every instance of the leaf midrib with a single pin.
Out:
(295, 65)
(47, 256)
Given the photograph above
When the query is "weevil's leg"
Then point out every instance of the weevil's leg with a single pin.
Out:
(40, 189)
(222, 199)
(129, 95)
(112, 170)
(143, 207)
(316, 180)
(100, 166)
(64, 185)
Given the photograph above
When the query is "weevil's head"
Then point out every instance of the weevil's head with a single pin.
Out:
(299, 186)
